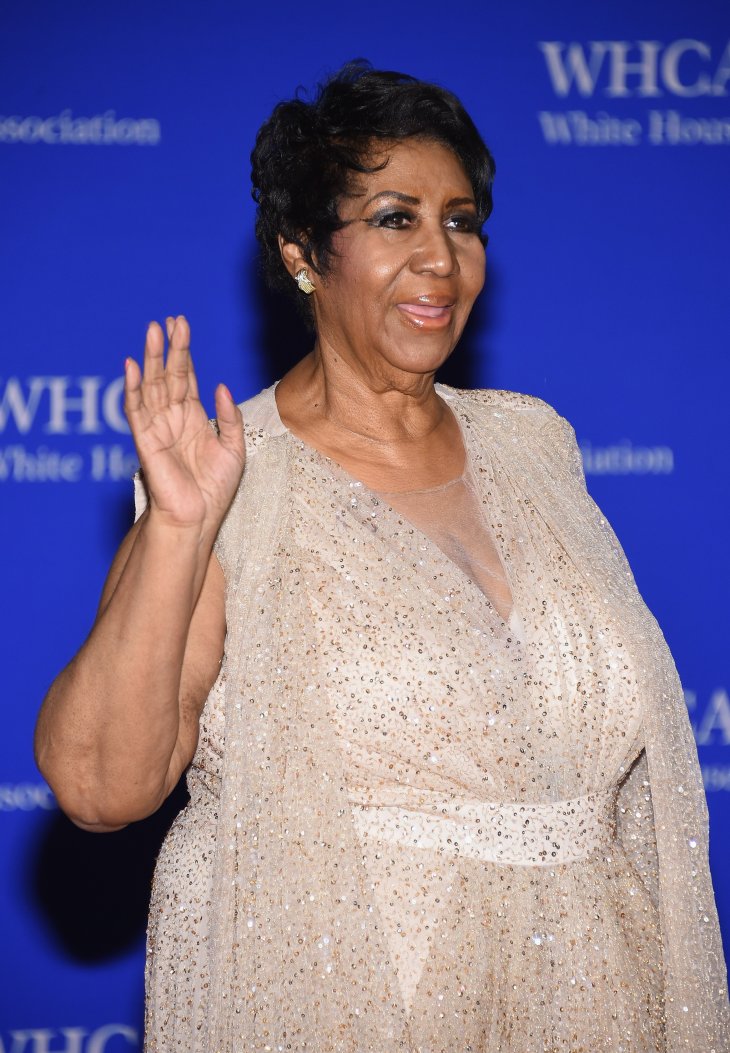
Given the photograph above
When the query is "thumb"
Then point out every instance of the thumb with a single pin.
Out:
(230, 421)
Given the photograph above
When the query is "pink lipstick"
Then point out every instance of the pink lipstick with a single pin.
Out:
(427, 312)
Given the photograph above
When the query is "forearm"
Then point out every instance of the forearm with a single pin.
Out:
(108, 734)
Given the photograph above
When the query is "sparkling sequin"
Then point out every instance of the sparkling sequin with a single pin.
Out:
(423, 817)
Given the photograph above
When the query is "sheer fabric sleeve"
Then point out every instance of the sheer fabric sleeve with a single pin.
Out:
(662, 815)
(140, 494)
(634, 806)
(635, 824)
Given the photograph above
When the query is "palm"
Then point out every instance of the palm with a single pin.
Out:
(191, 471)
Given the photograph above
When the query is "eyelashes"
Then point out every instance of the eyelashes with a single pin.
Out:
(393, 219)
(402, 219)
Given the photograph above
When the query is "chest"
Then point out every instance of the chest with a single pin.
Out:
(421, 673)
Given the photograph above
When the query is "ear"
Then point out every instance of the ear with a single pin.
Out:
(291, 254)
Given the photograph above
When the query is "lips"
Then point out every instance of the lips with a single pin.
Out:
(424, 310)
(427, 312)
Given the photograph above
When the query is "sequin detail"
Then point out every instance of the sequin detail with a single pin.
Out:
(367, 668)
(536, 835)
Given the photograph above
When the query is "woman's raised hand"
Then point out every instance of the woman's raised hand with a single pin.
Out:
(191, 473)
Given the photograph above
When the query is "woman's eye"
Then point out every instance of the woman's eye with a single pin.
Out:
(392, 220)
(397, 219)
(466, 224)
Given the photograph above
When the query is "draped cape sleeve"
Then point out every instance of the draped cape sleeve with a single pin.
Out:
(663, 818)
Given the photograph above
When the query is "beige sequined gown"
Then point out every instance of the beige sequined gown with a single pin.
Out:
(423, 818)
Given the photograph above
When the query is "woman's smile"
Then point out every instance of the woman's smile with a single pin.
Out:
(408, 264)
(427, 315)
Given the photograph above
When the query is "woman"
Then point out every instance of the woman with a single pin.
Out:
(444, 795)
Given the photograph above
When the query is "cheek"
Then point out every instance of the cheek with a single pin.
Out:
(373, 257)
(474, 269)
(361, 272)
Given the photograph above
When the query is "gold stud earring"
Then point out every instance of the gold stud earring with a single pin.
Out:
(303, 281)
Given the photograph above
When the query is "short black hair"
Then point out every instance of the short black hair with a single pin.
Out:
(307, 151)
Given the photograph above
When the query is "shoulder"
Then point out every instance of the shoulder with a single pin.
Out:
(258, 500)
(540, 432)
(261, 420)
(527, 409)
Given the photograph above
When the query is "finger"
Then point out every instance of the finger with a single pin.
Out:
(169, 325)
(134, 407)
(154, 389)
(178, 361)
(230, 422)
(192, 379)
(154, 348)
(132, 385)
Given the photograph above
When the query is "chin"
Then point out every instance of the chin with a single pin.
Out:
(421, 363)
(425, 354)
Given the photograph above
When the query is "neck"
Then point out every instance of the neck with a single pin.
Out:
(382, 408)
(391, 432)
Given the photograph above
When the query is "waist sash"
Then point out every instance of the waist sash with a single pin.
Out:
(534, 835)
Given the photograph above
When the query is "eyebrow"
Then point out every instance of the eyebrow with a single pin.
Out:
(393, 193)
(407, 199)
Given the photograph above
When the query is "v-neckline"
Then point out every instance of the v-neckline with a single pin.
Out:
(339, 471)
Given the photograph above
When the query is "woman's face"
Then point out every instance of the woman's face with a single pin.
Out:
(407, 266)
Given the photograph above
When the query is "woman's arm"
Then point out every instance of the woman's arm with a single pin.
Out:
(120, 724)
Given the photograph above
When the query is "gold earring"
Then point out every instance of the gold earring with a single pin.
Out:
(303, 281)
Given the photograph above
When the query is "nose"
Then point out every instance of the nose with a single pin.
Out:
(434, 252)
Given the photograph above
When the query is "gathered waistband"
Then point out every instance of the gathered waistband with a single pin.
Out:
(512, 834)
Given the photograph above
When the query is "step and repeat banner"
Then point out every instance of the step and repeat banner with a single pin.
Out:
(125, 133)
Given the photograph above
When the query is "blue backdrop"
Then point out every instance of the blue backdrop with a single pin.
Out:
(125, 132)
